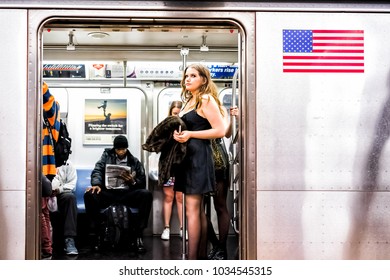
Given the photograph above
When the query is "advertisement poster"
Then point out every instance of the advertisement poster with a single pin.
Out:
(103, 120)
(63, 70)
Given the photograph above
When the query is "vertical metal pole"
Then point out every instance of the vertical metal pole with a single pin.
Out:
(234, 88)
(124, 73)
(184, 53)
(234, 176)
(184, 230)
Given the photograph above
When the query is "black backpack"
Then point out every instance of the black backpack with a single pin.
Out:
(116, 226)
(62, 147)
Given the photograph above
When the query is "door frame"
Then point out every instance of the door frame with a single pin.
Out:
(245, 22)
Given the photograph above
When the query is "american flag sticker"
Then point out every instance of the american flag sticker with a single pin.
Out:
(323, 51)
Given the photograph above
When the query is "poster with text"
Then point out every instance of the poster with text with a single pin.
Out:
(104, 119)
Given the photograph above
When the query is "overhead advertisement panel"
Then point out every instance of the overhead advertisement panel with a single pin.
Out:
(138, 70)
(222, 71)
(63, 70)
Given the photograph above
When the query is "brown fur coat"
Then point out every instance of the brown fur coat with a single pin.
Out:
(160, 140)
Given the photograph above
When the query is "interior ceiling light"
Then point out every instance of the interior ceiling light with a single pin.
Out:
(204, 47)
(70, 46)
(98, 35)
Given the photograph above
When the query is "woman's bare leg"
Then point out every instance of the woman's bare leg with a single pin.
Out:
(167, 204)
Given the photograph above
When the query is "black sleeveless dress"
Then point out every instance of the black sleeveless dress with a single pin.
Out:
(195, 175)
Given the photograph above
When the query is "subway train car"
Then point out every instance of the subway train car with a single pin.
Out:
(308, 156)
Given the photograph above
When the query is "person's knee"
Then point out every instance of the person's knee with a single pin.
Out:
(68, 196)
(87, 195)
(66, 200)
(147, 195)
(89, 201)
(168, 198)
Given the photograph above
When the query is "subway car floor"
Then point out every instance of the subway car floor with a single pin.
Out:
(156, 249)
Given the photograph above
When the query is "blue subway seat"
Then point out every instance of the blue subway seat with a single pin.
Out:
(83, 182)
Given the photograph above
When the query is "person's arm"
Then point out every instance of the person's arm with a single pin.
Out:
(139, 176)
(71, 179)
(233, 114)
(65, 180)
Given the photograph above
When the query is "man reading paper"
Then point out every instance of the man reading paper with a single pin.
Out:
(129, 188)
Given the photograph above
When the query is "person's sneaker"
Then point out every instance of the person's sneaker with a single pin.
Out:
(181, 234)
(70, 248)
(165, 234)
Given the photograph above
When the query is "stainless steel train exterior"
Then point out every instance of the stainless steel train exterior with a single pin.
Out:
(310, 176)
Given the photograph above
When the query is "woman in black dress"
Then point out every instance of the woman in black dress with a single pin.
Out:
(203, 116)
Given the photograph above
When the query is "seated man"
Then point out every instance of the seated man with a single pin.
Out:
(63, 185)
(131, 192)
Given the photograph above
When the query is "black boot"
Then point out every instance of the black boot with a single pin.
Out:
(217, 253)
(220, 255)
(140, 245)
(212, 253)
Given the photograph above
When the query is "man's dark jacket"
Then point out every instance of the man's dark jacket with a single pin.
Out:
(109, 157)
(161, 141)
